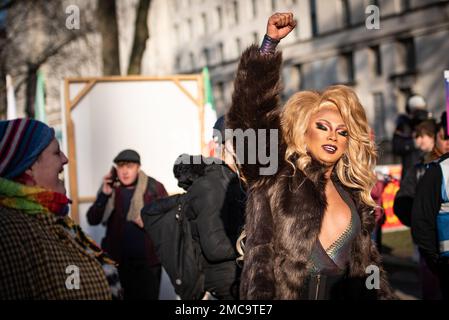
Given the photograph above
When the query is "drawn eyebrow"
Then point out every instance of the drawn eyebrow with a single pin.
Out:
(324, 120)
(330, 125)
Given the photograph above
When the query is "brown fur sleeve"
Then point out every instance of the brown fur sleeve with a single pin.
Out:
(257, 280)
(365, 253)
(255, 103)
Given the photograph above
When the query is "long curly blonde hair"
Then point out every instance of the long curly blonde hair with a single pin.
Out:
(355, 169)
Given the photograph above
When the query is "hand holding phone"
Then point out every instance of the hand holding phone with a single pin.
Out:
(113, 176)
(109, 180)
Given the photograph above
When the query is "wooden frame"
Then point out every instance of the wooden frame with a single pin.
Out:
(90, 82)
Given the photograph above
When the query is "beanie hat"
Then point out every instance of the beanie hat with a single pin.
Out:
(417, 102)
(21, 142)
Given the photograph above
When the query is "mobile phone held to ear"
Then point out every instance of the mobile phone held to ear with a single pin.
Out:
(114, 177)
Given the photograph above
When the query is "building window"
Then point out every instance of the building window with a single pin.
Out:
(346, 13)
(177, 37)
(347, 67)
(254, 7)
(204, 22)
(313, 18)
(190, 27)
(238, 44)
(206, 54)
(235, 9)
(300, 77)
(296, 78)
(219, 90)
(405, 5)
(178, 62)
(296, 30)
(192, 60)
(256, 39)
(379, 116)
(406, 54)
(221, 52)
(220, 18)
(377, 60)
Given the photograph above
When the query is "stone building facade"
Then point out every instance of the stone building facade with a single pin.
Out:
(407, 52)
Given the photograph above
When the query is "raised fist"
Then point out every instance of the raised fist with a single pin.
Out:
(280, 25)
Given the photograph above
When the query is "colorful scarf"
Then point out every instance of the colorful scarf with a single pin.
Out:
(32, 200)
(36, 200)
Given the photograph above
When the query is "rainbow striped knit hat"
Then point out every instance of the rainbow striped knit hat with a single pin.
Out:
(21, 142)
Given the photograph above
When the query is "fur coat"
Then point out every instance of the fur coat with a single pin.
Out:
(285, 210)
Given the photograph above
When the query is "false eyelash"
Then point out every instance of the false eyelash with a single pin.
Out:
(320, 126)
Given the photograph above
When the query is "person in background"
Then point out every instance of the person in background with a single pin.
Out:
(124, 192)
(403, 201)
(215, 206)
(430, 219)
(425, 136)
(405, 197)
(43, 253)
(403, 138)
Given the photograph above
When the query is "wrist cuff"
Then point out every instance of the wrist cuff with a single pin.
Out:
(268, 45)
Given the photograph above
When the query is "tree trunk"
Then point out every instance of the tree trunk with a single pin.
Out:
(107, 18)
(3, 92)
(141, 36)
(31, 81)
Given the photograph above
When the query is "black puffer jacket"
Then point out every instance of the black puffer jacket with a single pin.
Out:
(215, 205)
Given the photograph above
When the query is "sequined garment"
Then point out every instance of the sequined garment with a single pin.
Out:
(335, 259)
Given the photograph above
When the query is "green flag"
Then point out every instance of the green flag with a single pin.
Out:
(39, 102)
(210, 114)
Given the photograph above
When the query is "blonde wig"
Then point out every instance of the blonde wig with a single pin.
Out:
(355, 169)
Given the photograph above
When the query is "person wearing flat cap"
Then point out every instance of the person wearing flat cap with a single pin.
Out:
(122, 195)
(43, 253)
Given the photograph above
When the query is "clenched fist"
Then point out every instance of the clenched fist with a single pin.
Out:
(280, 25)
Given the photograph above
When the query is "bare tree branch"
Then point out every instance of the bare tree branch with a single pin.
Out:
(107, 16)
(141, 36)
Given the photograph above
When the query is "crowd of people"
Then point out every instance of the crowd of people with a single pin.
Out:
(425, 142)
(302, 233)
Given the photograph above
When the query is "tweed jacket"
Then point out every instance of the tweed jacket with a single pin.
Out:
(35, 253)
(285, 210)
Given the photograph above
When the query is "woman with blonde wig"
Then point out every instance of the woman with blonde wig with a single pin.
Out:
(308, 224)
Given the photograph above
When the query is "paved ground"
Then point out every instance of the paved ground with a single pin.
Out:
(404, 277)
(398, 256)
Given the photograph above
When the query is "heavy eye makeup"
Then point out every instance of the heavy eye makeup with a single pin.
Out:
(320, 126)
(343, 133)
